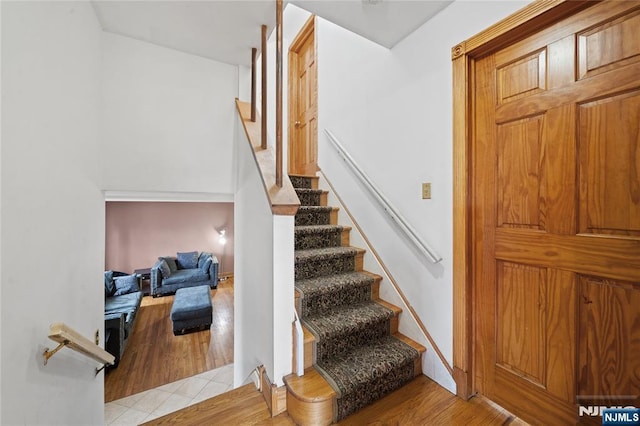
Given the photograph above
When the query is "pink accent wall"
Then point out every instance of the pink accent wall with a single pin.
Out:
(137, 233)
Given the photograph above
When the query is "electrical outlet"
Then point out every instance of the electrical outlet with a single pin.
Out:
(426, 191)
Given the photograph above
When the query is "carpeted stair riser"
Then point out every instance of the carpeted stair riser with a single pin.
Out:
(313, 215)
(301, 182)
(368, 373)
(309, 197)
(342, 329)
(317, 295)
(309, 237)
(324, 264)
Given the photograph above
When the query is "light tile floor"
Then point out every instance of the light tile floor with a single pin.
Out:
(154, 403)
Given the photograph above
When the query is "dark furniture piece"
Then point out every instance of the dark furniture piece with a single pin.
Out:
(169, 273)
(145, 280)
(121, 304)
(191, 310)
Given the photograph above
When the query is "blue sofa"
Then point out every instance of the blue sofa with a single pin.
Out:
(121, 304)
(187, 269)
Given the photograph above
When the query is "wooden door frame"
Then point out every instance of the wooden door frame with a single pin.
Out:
(523, 23)
(307, 29)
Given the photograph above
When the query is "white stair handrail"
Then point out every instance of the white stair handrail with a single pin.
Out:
(411, 233)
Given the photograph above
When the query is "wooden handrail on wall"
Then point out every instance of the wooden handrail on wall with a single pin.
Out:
(283, 199)
(66, 336)
(387, 272)
(408, 230)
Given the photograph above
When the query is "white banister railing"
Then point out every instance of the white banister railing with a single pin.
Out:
(408, 230)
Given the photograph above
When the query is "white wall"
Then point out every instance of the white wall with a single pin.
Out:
(264, 275)
(52, 210)
(167, 119)
(253, 343)
(392, 110)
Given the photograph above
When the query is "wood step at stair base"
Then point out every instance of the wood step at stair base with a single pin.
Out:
(310, 398)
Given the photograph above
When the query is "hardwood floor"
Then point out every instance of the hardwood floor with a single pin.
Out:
(154, 356)
(420, 402)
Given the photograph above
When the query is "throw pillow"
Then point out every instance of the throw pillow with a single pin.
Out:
(109, 285)
(164, 269)
(125, 285)
(203, 258)
(171, 262)
(207, 264)
(188, 260)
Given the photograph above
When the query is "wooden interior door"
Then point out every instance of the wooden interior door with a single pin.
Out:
(303, 103)
(555, 184)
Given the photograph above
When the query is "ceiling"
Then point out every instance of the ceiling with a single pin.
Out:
(385, 22)
(227, 30)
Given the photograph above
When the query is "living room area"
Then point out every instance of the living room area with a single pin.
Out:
(162, 369)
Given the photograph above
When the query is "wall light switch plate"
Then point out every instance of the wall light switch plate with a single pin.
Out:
(426, 191)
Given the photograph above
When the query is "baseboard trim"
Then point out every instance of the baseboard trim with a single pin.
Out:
(276, 397)
(463, 390)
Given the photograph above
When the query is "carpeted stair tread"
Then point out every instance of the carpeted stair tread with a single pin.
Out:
(309, 197)
(318, 229)
(321, 293)
(340, 329)
(316, 236)
(367, 373)
(318, 262)
(313, 215)
(325, 253)
(301, 182)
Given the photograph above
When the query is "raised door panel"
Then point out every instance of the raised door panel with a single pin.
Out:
(610, 342)
(609, 44)
(520, 323)
(609, 143)
(522, 77)
(519, 153)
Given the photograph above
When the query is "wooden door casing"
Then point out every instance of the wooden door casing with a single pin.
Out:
(303, 102)
(555, 222)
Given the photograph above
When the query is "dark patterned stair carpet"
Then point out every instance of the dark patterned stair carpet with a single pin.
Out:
(319, 294)
(324, 261)
(339, 330)
(309, 197)
(367, 373)
(355, 352)
(300, 182)
(318, 236)
(313, 215)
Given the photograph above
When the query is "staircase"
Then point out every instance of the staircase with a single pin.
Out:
(354, 354)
